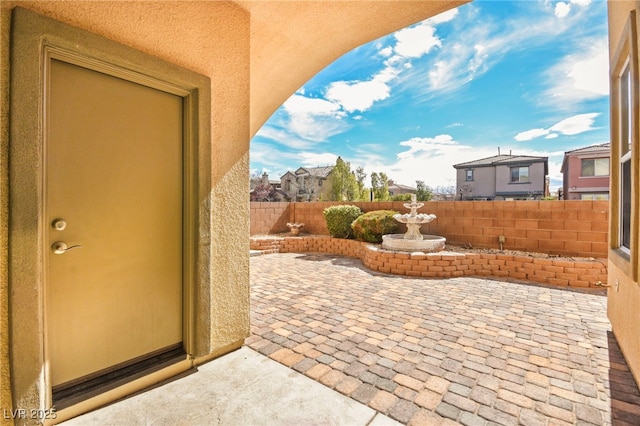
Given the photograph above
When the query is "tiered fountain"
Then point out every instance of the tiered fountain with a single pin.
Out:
(413, 240)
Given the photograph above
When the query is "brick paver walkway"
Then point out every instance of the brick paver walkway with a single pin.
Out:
(463, 350)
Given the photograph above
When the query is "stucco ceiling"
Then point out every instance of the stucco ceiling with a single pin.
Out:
(291, 41)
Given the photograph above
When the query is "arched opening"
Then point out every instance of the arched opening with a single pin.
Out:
(485, 98)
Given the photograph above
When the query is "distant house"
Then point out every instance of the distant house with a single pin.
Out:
(502, 177)
(397, 189)
(262, 182)
(307, 183)
(585, 173)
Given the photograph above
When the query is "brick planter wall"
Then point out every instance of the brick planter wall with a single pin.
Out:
(560, 272)
(566, 228)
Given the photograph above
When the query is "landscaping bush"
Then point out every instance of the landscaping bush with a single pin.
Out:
(339, 219)
(373, 225)
(401, 197)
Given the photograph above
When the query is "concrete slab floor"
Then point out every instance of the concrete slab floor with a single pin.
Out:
(240, 388)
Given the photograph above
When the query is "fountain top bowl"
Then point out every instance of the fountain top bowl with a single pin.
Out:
(413, 205)
(414, 218)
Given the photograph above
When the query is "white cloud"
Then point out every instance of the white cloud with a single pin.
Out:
(574, 125)
(441, 75)
(443, 17)
(416, 41)
(388, 74)
(569, 126)
(300, 105)
(425, 144)
(310, 159)
(531, 134)
(282, 136)
(271, 159)
(478, 59)
(591, 73)
(478, 45)
(578, 77)
(357, 96)
(386, 52)
(562, 9)
(303, 121)
(431, 160)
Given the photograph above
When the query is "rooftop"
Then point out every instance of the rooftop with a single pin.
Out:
(501, 159)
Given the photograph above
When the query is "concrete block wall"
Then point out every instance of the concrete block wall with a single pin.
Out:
(270, 218)
(568, 228)
(566, 273)
(550, 271)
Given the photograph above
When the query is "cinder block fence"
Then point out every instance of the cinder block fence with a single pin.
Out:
(566, 228)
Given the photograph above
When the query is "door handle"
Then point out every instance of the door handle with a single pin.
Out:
(61, 248)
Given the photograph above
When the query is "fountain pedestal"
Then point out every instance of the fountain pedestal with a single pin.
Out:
(413, 240)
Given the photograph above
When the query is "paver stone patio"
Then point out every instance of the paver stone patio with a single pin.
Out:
(468, 351)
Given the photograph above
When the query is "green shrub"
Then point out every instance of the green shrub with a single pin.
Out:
(339, 219)
(401, 197)
(373, 225)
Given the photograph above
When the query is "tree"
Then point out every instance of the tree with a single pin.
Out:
(375, 183)
(380, 186)
(262, 192)
(424, 192)
(363, 194)
(344, 186)
(402, 197)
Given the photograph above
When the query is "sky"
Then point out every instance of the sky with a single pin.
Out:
(523, 77)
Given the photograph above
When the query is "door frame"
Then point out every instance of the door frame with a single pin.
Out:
(35, 41)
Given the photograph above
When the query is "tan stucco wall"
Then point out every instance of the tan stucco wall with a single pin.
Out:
(5, 388)
(624, 293)
(482, 185)
(208, 38)
(292, 41)
(623, 304)
(536, 179)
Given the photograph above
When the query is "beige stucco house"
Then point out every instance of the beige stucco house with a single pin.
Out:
(624, 224)
(197, 79)
(307, 183)
(501, 177)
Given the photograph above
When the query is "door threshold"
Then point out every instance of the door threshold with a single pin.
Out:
(78, 390)
(125, 390)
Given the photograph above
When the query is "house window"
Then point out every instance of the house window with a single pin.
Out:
(624, 143)
(626, 134)
(519, 174)
(595, 196)
(595, 167)
(469, 175)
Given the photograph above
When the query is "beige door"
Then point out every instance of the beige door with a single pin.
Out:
(114, 189)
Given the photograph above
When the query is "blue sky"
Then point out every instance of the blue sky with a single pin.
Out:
(530, 77)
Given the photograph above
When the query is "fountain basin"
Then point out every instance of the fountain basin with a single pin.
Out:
(428, 243)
